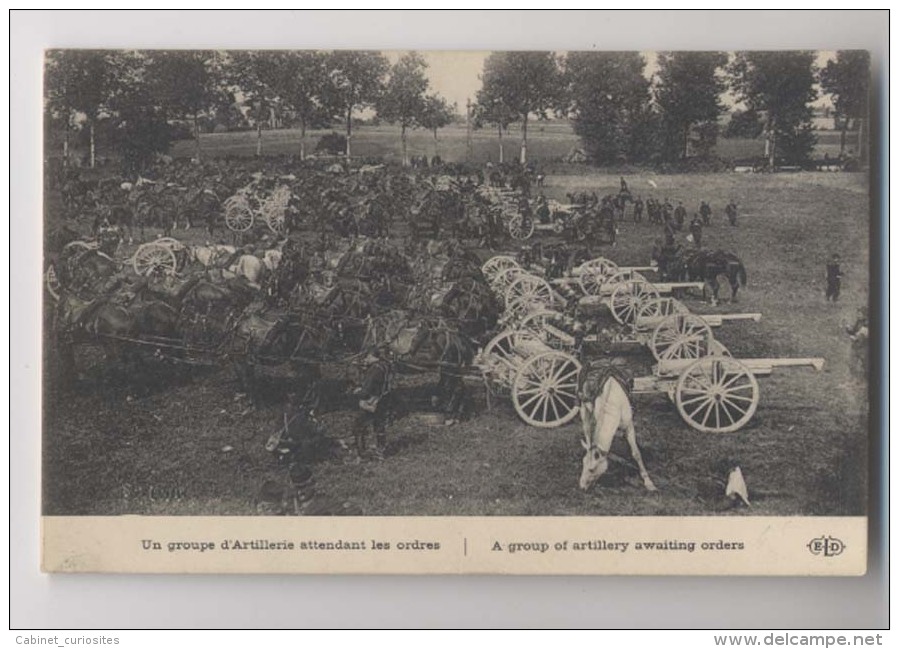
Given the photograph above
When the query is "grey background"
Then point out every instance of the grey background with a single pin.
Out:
(126, 601)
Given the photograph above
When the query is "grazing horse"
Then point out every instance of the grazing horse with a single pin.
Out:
(606, 409)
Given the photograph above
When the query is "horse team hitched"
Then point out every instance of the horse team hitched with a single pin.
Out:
(477, 280)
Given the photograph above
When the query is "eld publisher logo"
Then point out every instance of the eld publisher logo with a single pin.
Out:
(826, 546)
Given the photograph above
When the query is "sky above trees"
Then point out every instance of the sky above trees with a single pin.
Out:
(456, 75)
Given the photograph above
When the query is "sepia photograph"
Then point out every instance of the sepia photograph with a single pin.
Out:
(320, 290)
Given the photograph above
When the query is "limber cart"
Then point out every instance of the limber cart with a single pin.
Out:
(246, 207)
(163, 256)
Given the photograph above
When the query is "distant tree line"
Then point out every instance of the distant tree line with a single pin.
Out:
(139, 101)
(622, 116)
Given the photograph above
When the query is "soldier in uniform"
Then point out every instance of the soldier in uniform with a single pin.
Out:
(696, 231)
(680, 215)
(705, 211)
(374, 402)
(543, 213)
(834, 277)
(638, 210)
(731, 211)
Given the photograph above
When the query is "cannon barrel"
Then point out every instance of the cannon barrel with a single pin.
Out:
(758, 366)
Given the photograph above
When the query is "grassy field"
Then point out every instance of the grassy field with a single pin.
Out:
(182, 445)
(546, 141)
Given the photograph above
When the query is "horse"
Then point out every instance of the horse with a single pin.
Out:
(709, 266)
(606, 409)
(678, 264)
(111, 324)
(211, 255)
(428, 342)
(277, 338)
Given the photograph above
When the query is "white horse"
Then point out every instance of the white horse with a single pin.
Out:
(606, 409)
(251, 268)
(211, 255)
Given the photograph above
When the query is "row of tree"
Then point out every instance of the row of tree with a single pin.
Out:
(621, 115)
(143, 91)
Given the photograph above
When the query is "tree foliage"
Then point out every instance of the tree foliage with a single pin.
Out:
(609, 104)
(782, 86)
(355, 80)
(744, 124)
(436, 113)
(185, 83)
(846, 79)
(80, 81)
(291, 81)
(688, 94)
(527, 83)
(402, 99)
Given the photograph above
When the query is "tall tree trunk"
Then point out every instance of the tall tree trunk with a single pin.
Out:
(349, 131)
(403, 140)
(845, 127)
(93, 147)
(500, 129)
(197, 136)
(686, 140)
(258, 138)
(524, 140)
(773, 142)
(302, 139)
(436, 152)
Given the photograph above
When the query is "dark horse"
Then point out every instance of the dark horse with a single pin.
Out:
(280, 340)
(425, 344)
(677, 264)
(115, 325)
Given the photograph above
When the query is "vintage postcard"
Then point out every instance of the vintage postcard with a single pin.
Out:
(521, 312)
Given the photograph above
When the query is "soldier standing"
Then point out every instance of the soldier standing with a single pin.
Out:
(731, 211)
(638, 210)
(705, 211)
(680, 215)
(374, 397)
(834, 275)
(696, 231)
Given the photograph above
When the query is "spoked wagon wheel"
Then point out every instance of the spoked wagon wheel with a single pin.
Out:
(238, 214)
(717, 394)
(661, 308)
(51, 280)
(529, 287)
(276, 223)
(152, 258)
(495, 265)
(591, 274)
(545, 390)
(548, 326)
(500, 360)
(682, 335)
(521, 227)
(628, 297)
